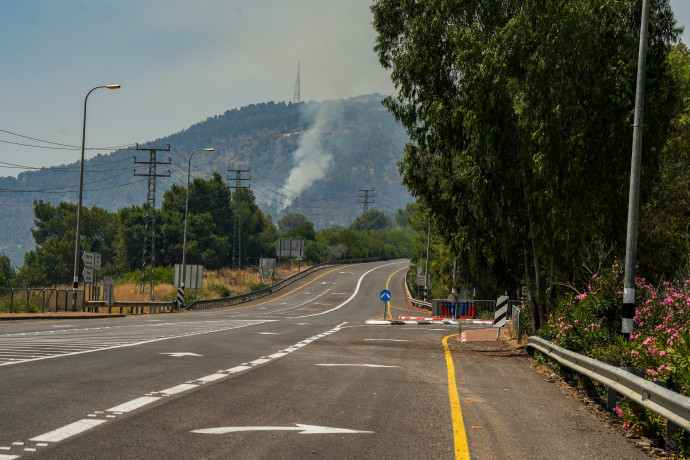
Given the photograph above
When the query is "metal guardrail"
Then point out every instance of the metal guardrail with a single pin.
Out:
(672, 406)
(132, 307)
(241, 298)
(416, 302)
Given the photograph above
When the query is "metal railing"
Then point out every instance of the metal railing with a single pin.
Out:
(416, 302)
(242, 298)
(32, 300)
(674, 407)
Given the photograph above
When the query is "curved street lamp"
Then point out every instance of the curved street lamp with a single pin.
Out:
(75, 285)
(180, 292)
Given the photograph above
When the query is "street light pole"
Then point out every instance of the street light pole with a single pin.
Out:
(180, 292)
(627, 324)
(75, 279)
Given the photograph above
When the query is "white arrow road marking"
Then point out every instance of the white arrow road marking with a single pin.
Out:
(180, 354)
(353, 365)
(303, 429)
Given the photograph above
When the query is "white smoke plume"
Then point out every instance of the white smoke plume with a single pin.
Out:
(314, 153)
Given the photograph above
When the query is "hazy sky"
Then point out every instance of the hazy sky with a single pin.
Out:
(178, 62)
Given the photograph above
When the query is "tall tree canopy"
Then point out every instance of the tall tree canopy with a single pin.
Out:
(519, 114)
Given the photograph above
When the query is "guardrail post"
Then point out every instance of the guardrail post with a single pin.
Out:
(611, 398)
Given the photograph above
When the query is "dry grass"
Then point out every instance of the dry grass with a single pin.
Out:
(217, 283)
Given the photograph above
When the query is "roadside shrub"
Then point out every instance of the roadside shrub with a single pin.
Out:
(589, 323)
(258, 286)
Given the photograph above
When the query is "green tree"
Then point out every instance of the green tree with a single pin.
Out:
(664, 241)
(209, 223)
(52, 261)
(373, 219)
(290, 221)
(304, 230)
(519, 117)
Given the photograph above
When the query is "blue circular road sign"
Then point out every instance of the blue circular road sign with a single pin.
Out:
(385, 295)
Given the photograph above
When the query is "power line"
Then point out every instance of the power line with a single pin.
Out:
(72, 147)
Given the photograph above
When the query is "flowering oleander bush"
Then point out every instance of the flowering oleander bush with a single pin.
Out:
(589, 323)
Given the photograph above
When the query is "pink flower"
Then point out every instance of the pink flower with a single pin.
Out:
(618, 411)
(662, 353)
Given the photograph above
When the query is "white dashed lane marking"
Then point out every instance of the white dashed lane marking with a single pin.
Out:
(97, 417)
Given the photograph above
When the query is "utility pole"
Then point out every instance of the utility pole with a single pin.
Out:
(627, 325)
(149, 256)
(426, 269)
(237, 223)
(365, 198)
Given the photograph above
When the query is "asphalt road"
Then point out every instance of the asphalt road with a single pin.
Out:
(294, 375)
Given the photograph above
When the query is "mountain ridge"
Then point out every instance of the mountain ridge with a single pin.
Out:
(324, 151)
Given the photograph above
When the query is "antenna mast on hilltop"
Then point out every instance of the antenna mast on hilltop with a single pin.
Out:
(296, 97)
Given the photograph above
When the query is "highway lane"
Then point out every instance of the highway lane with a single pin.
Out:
(295, 375)
(47, 393)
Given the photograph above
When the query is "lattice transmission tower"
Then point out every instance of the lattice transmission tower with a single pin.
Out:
(365, 198)
(237, 221)
(296, 98)
(149, 257)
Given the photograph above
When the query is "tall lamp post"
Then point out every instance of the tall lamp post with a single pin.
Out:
(627, 320)
(180, 291)
(75, 279)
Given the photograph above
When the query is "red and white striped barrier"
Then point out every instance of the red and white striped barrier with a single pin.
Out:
(419, 318)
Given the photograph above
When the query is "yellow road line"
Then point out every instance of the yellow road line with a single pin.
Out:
(278, 298)
(388, 304)
(462, 450)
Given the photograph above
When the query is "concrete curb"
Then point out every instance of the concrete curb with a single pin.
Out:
(54, 316)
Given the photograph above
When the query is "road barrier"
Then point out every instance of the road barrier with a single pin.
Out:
(132, 308)
(32, 300)
(674, 407)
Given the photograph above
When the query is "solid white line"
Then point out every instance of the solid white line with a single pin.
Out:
(388, 340)
(353, 365)
(68, 430)
(134, 404)
(359, 282)
(139, 341)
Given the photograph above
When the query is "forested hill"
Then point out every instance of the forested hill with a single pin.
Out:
(328, 150)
